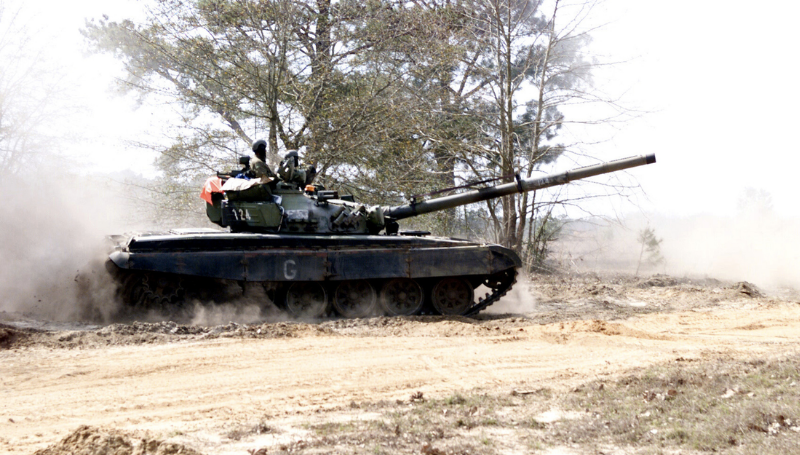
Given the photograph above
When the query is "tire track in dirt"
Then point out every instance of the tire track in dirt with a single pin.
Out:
(199, 387)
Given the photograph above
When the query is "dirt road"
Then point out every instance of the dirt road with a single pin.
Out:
(195, 387)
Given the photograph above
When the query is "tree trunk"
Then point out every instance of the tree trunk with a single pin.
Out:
(535, 154)
(321, 64)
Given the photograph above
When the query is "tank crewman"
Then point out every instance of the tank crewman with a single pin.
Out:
(259, 165)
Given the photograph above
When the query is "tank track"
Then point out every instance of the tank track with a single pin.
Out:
(153, 291)
(500, 283)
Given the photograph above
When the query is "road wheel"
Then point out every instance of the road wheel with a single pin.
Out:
(307, 300)
(354, 299)
(157, 294)
(135, 292)
(452, 296)
(402, 297)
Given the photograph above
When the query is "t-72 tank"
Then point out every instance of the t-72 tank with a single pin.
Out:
(316, 252)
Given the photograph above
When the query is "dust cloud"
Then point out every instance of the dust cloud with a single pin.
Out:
(754, 246)
(53, 244)
(518, 300)
(252, 306)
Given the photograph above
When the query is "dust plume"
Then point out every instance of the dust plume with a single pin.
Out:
(52, 241)
(755, 246)
(253, 306)
(517, 301)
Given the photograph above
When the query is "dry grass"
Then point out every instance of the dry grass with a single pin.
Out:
(721, 406)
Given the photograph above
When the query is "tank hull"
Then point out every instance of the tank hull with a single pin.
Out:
(324, 262)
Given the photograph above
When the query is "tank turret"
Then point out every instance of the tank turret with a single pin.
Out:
(293, 204)
(318, 253)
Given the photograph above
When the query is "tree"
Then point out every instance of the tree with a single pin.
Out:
(299, 70)
(434, 61)
(544, 229)
(487, 79)
(389, 98)
(531, 50)
(533, 65)
(30, 89)
(472, 72)
(651, 245)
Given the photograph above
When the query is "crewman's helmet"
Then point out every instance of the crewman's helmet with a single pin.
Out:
(260, 145)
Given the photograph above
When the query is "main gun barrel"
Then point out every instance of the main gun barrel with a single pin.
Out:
(518, 186)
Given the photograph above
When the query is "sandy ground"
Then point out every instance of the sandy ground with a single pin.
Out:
(194, 385)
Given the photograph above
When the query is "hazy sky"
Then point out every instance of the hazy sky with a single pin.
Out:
(720, 80)
(717, 78)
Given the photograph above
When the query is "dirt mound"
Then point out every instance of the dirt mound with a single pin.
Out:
(150, 333)
(425, 326)
(274, 330)
(88, 440)
(618, 296)
(607, 328)
(658, 280)
(747, 289)
(9, 337)
(402, 325)
(138, 333)
(136, 328)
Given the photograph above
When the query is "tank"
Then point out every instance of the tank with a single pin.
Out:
(317, 253)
